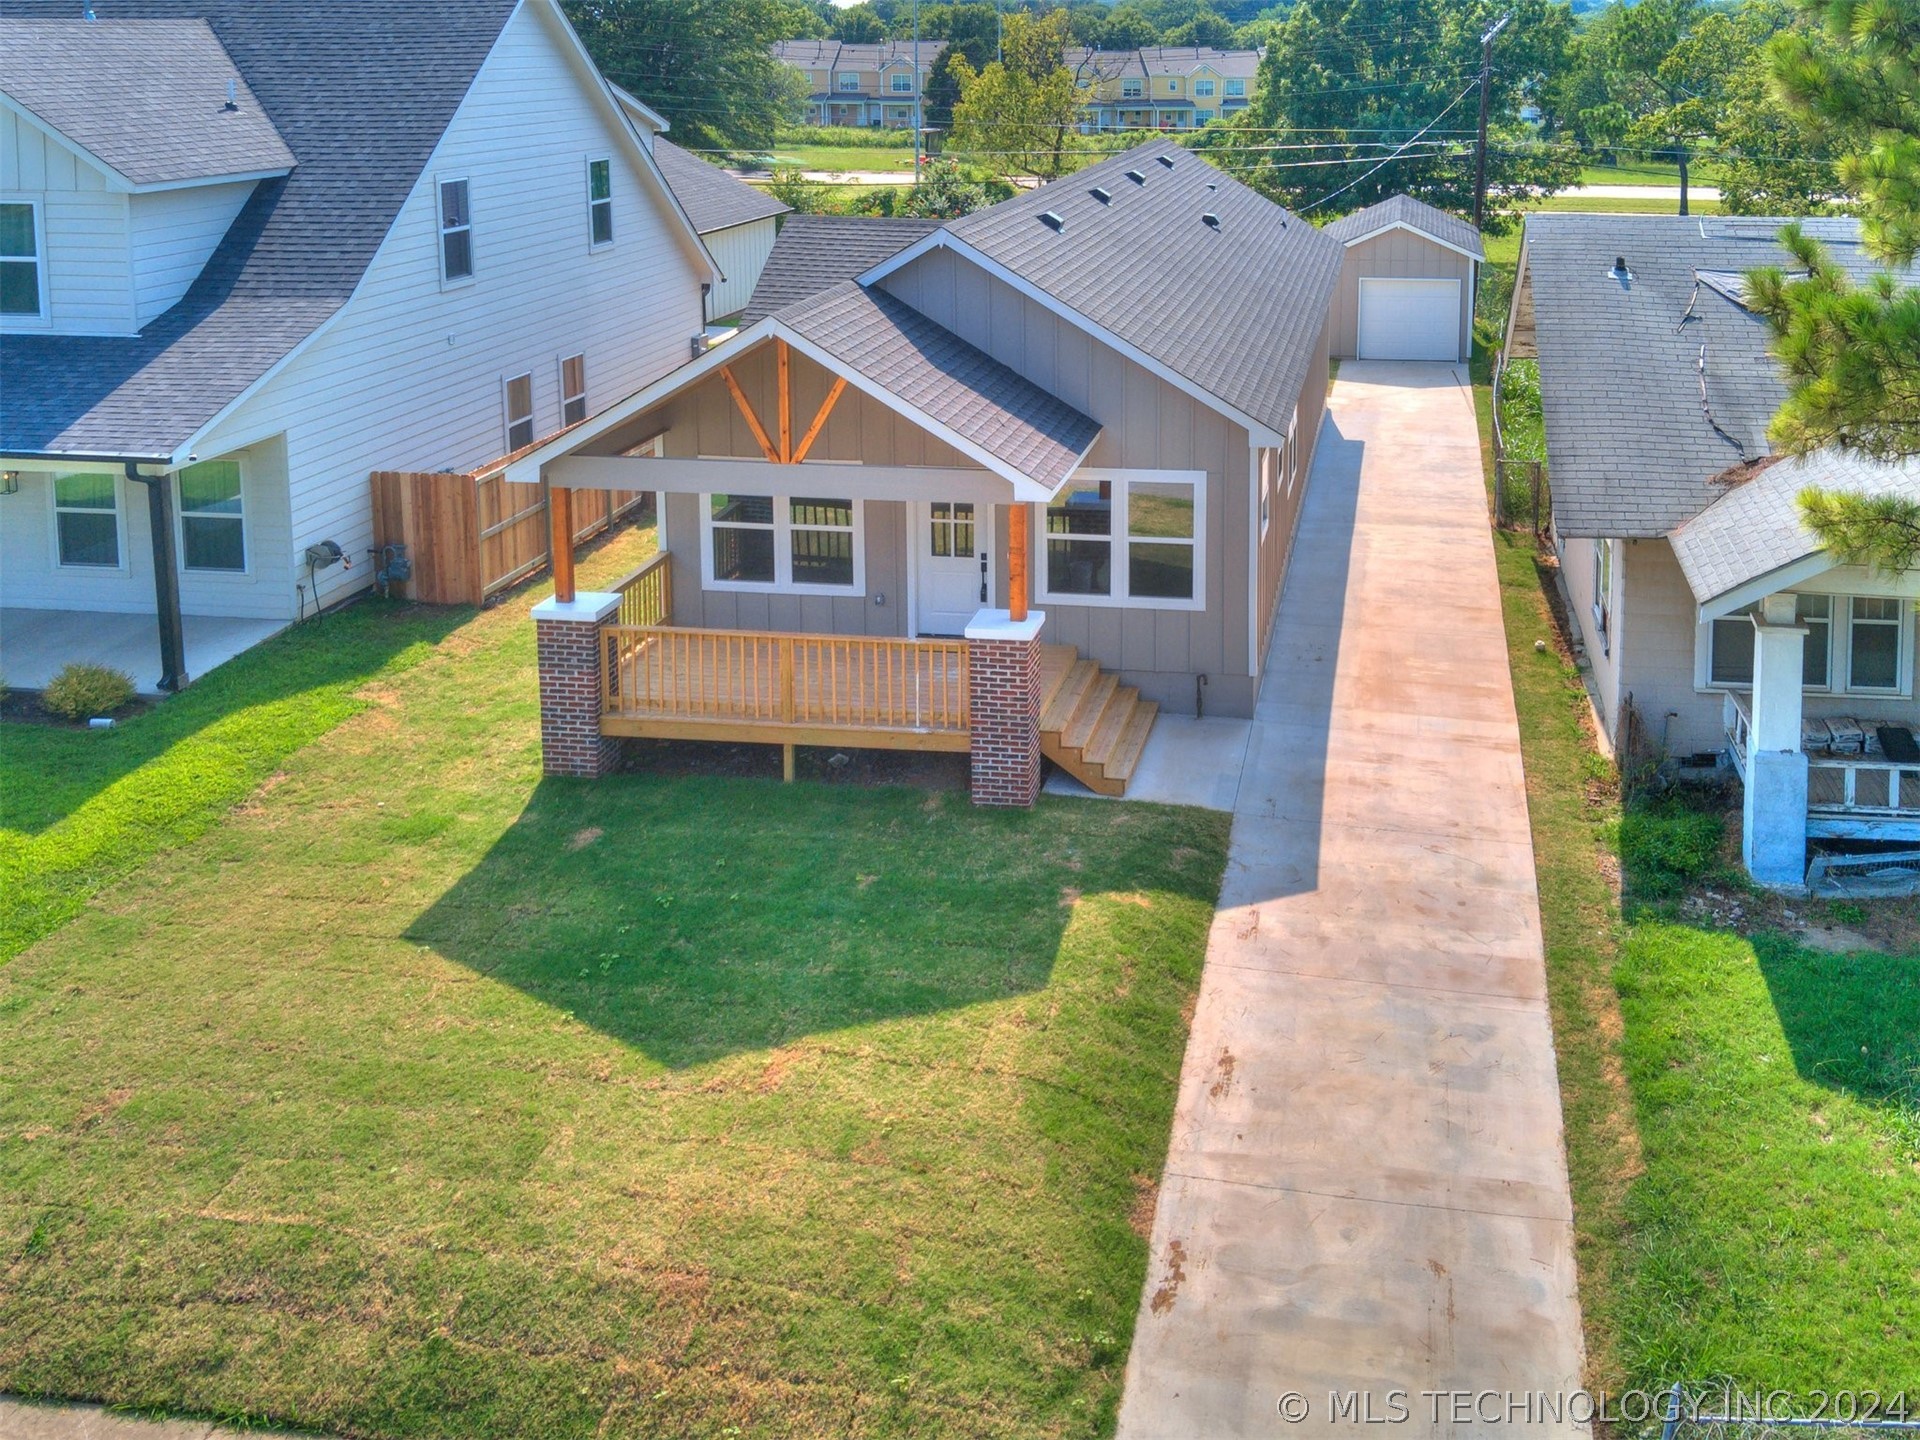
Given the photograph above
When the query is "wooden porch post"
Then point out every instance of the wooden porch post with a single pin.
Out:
(1017, 562)
(560, 514)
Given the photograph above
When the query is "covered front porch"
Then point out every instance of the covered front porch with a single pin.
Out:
(36, 644)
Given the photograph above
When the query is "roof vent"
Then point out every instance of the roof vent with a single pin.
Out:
(1102, 194)
(1210, 220)
(1167, 160)
(1620, 271)
(233, 95)
(1052, 221)
(1136, 177)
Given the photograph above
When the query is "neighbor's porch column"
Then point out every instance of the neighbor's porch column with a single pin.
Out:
(1003, 686)
(567, 639)
(1773, 829)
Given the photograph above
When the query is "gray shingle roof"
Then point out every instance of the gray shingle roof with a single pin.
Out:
(1237, 311)
(816, 252)
(1630, 445)
(713, 199)
(148, 97)
(1754, 528)
(361, 91)
(934, 370)
(1417, 214)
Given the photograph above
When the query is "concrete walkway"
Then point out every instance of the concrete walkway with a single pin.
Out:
(1366, 1190)
(27, 1420)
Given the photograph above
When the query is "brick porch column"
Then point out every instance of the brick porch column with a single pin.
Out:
(1003, 694)
(567, 637)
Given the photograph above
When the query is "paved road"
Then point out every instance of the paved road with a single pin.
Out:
(1366, 1189)
(1642, 192)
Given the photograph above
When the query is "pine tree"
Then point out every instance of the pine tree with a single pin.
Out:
(1881, 532)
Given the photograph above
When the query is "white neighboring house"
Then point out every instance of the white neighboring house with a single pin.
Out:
(249, 257)
(1704, 607)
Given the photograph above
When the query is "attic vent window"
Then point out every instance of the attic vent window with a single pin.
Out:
(1210, 220)
(1052, 221)
(1136, 177)
(1167, 160)
(1104, 196)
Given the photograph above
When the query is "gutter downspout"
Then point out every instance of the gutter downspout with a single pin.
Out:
(166, 577)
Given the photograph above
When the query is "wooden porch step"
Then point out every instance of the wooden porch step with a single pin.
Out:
(1091, 725)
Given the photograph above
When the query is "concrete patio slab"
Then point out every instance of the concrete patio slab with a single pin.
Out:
(1188, 760)
(29, 1420)
(35, 644)
(1365, 1191)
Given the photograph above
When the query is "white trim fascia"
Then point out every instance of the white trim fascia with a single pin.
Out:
(946, 240)
(1785, 577)
(118, 182)
(1411, 230)
(640, 109)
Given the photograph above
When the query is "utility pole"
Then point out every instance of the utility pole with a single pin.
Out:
(919, 88)
(1480, 154)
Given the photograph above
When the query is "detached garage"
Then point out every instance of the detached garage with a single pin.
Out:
(1407, 286)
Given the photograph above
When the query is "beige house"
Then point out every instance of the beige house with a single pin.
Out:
(979, 451)
(1163, 87)
(862, 85)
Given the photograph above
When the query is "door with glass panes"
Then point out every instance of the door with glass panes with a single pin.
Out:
(951, 564)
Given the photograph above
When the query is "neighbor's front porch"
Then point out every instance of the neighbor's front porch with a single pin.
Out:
(1856, 790)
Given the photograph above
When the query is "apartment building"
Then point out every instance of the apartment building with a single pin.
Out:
(862, 85)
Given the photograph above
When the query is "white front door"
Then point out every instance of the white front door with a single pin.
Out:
(950, 563)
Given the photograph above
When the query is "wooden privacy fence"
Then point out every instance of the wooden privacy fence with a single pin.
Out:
(804, 689)
(471, 534)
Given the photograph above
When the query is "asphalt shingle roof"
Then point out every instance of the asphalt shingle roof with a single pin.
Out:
(1416, 214)
(148, 97)
(934, 370)
(1754, 528)
(1638, 422)
(1236, 310)
(360, 91)
(816, 252)
(713, 199)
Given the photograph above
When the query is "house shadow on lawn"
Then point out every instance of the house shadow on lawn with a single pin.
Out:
(696, 916)
(1852, 1022)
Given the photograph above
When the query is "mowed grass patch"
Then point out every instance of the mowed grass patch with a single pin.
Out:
(421, 1097)
(79, 807)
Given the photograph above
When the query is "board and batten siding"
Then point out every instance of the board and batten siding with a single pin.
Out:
(741, 253)
(1290, 491)
(1398, 255)
(88, 262)
(410, 374)
(703, 421)
(175, 233)
(32, 579)
(1148, 424)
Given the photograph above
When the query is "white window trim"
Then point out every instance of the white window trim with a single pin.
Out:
(506, 410)
(440, 233)
(180, 529)
(783, 582)
(1132, 90)
(1903, 669)
(894, 87)
(1270, 461)
(560, 370)
(613, 232)
(1604, 561)
(119, 523)
(841, 87)
(44, 318)
(1290, 447)
(1122, 480)
(1839, 652)
(1233, 94)
(1203, 89)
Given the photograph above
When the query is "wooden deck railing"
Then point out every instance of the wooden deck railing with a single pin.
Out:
(646, 595)
(1838, 786)
(670, 681)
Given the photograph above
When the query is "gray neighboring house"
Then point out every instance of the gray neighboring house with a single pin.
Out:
(1705, 610)
(818, 251)
(1407, 284)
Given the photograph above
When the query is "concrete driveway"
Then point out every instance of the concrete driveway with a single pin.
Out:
(1365, 1208)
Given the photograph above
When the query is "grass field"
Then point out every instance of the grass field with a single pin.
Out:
(421, 1097)
(1742, 1113)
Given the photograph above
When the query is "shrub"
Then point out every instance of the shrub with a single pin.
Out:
(1666, 846)
(82, 691)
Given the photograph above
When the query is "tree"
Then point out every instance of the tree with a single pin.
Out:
(972, 34)
(1851, 352)
(1770, 163)
(1018, 113)
(681, 57)
(943, 192)
(859, 25)
(1208, 28)
(1128, 27)
(1359, 99)
(1881, 532)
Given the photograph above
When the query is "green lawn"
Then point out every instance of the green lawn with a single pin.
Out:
(843, 157)
(1649, 172)
(1743, 1113)
(81, 807)
(422, 1097)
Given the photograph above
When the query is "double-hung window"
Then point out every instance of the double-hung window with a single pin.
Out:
(849, 82)
(573, 389)
(1203, 89)
(21, 292)
(86, 520)
(1269, 465)
(782, 542)
(1236, 88)
(1130, 89)
(456, 231)
(1114, 538)
(1865, 632)
(518, 397)
(1603, 598)
(901, 82)
(600, 201)
(1873, 642)
(212, 525)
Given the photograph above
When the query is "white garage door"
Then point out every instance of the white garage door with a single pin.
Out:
(1409, 319)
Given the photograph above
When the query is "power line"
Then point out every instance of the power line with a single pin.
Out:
(1396, 154)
